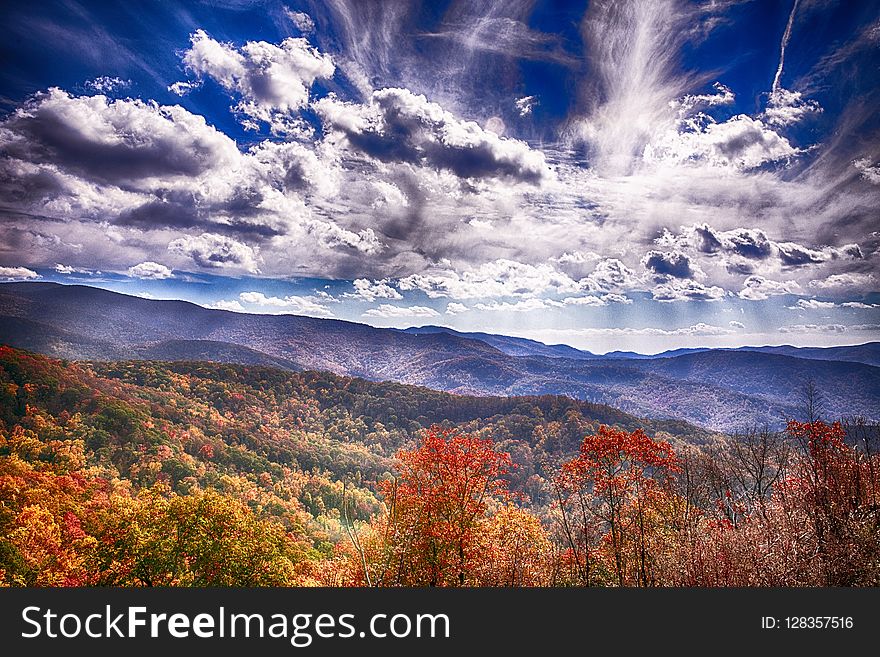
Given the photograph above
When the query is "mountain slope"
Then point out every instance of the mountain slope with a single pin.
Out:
(510, 345)
(720, 389)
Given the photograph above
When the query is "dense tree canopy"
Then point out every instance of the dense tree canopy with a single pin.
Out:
(199, 474)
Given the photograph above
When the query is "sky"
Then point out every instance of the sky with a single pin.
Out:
(639, 175)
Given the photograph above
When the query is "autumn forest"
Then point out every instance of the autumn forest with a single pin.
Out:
(204, 474)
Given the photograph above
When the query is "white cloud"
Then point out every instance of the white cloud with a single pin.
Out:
(372, 290)
(844, 281)
(591, 300)
(588, 300)
(526, 104)
(745, 246)
(388, 311)
(735, 324)
(499, 278)
(331, 234)
(301, 21)
(814, 328)
(389, 195)
(869, 172)
(17, 274)
(309, 305)
(68, 269)
(214, 251)
(813, 304)
(400, 126)
(150, 271)
(272, 80)
(786, 107)
(521, 306)
(128, 142)
(577, 258)
(686, 290)
(104, 84)
(183, 88)
(260, 299)
(609, 274)
(758, 288)
(698, 329)
(859, 305)
(741, 143)
(223, 304)
(453, 308)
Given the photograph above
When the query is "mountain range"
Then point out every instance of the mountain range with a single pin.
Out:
(721, 389)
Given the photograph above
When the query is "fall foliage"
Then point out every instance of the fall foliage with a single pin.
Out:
(199, 474)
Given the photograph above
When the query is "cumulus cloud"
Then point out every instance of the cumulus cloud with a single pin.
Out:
(68, 270)
(747, 242)
(596, 301)
(608, 275)
(404, 194)
(230, 305)
(741, 143)
(400, 126)
(150, 271)
(795, 255)
(273, 81)
(686, 290)
(17, 274)
(308, 305)
(182, 88)
(453, 308)
(386, 310)
(813, 304)
(525, 105)
(743, 246)
(122, 142)
(500, 278)
(663, 264)
(758, 288)
(104, 84)
(845, 281)
(371, 290)
(215, 251)
(786, 107)
(735, 324)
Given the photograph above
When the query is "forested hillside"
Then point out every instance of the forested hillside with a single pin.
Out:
(150, 473)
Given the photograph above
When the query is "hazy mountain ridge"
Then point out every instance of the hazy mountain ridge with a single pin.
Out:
(721, 389)
(868, 354)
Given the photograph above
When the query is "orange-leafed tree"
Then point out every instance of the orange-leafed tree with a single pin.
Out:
(432, 531)
(613, 491)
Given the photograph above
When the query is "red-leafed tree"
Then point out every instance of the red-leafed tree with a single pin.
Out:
(835, 486)
(613, 490)
(437, 509)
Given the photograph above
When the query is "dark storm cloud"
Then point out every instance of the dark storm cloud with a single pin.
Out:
(399, 126)
(238, 215)
(19, 182)
(795, 255)
(707, 240)
(114, 142)
(749, 243)
(677, 265)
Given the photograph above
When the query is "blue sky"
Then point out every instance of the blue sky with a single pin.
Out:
(626, 175)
